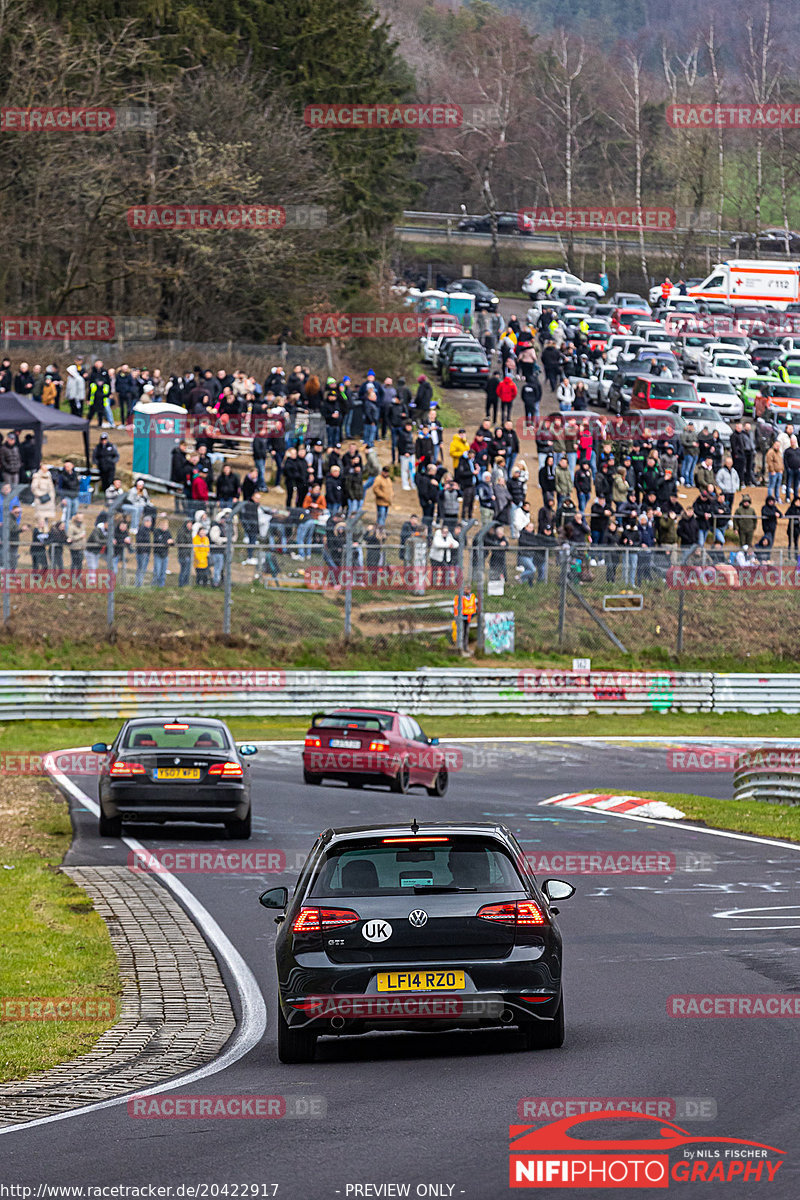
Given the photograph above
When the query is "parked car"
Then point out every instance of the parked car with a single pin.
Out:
(759, 393)
(719, 394)
(599, 383)
(619, 392)
(629, 300)
(466, 366)
(485, 298)
(769, 240)
(774, 421)
(701, 416)
(690, 349)
(657, 391)
(729, 363)
(622, 345)
(623, 317)
(535, 282)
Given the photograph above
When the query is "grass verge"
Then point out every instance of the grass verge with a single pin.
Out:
(40, 736)
(751, 816)
(52, 942)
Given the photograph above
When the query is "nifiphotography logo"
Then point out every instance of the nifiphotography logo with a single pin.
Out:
(586, 1151)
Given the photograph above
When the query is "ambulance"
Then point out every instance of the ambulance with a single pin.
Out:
(744, 281)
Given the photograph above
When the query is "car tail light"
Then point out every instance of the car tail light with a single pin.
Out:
(523, 914)
(124, 770)
(314, 741)
(175, 727)
(228, 770)
(318, 920)
(379, 746)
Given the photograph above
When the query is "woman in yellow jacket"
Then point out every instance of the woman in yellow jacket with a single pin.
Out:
(458, 447)
(201, 549)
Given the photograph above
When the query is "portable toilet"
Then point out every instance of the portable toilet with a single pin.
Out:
(462, 306)
(157, 429)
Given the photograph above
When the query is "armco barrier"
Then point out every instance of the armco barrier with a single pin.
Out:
(48, 695)
(757, 693)
(768, 774)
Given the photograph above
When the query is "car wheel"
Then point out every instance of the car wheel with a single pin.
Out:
(439, 785)
(110, 826)
(294, 1045)
(401, 780)
(540, 295)
(240, 829)
(544, 1035)
(308, 777)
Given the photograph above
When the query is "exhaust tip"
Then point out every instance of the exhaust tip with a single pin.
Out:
(506, 1016)
(337, 1023)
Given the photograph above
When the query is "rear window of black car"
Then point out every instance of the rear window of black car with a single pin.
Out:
(375, 869)
(179, 735)
(357, 720)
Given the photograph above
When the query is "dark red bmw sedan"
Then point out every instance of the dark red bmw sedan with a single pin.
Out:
(366, 745)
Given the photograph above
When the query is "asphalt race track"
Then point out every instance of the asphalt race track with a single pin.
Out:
(423, 1109)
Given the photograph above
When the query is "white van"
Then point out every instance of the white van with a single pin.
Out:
(751, 281)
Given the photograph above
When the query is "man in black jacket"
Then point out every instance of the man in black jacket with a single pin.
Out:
(492, 400)
(105, 457)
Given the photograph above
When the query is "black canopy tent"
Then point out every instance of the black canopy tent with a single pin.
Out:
(21, 412)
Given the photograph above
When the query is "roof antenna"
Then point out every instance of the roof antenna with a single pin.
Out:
(414, 825)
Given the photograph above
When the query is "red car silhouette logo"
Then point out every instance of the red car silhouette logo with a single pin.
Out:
(546, 1139)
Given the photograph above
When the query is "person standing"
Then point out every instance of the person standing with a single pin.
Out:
(383, 491)
(161, 544)
(105, 457)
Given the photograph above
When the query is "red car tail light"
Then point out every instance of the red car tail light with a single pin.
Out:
(522, 914)
(314, 742)
(318, 920)
(124, 770)
(379, 746)
(412, 841)
(228, 770)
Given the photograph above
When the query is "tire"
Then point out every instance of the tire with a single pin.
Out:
(109, 826)
(294, 1045)
(439, 785)
(540, 294)
(240, 829)
(401, 780)
(314, 780)
(544, 1035)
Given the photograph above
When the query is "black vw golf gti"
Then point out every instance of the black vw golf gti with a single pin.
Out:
(425, 928)
(174, 769)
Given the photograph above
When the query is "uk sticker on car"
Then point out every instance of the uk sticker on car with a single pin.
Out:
(376, 931)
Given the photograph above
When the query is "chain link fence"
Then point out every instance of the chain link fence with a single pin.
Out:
(286, 582)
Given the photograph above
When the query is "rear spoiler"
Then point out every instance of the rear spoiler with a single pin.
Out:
(364, 722)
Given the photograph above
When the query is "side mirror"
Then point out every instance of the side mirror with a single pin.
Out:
(275, 898)
(246, 749)
(557, 889)
(100, 748)
(433, 741)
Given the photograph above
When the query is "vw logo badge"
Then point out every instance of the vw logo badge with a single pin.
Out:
(177, 762)
(418, 918)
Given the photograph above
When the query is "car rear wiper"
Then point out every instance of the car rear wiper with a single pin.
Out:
(441, 887)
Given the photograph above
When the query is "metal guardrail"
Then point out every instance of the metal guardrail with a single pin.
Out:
(49, 695)
(771, 775)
